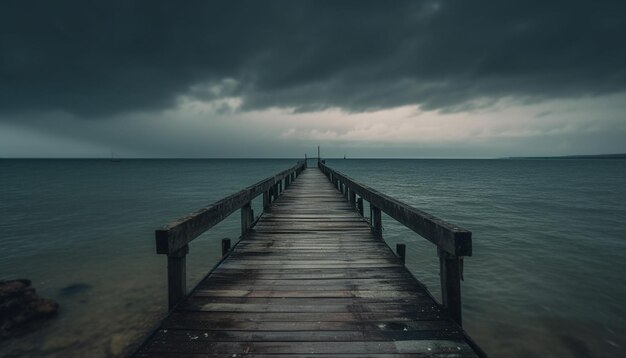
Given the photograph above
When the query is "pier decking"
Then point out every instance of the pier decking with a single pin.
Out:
(310, 279)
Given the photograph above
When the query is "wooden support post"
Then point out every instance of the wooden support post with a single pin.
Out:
(377, 222)
(225, 246)
(267, 199)
(359, 205)
(176, 276)
(246, 212)
(401, 251)
(450, 275)
(275, 192)
(352, 198)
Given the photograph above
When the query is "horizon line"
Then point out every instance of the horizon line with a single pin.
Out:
(572, 156)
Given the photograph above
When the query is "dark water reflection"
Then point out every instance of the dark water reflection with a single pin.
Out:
(546, 279)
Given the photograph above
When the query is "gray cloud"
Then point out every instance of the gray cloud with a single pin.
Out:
(109, 57)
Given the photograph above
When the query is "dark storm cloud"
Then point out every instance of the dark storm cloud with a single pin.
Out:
(102, 58)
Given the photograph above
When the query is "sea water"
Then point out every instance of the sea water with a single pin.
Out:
(546, 278)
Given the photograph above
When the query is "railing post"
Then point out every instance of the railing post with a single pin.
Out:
(352, 198)
(267, 199)
(246, 222)
(377, 221)
(275, 191)
(401, 251)
(176, 276)
(225, 246)
(450, 275)
(359, 205)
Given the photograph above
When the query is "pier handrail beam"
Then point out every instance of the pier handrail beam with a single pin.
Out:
(452, 241)
(173, 239)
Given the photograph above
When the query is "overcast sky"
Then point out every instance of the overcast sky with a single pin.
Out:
(275, 78)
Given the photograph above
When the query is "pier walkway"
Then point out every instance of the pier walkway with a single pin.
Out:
(310, 279)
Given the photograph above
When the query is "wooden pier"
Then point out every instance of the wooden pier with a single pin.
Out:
(312, 277)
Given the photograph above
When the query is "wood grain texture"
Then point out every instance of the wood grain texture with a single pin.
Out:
(310, 279)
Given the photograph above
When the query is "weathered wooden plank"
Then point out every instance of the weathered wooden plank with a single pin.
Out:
(297, 319)
(400, 286)
(203, 304)
(243, 265)
(184, 335)
(309, 280)
(243, 281)
(421, 347)
(294, 275)
(230, 292)
(298, 297)
(309, 355)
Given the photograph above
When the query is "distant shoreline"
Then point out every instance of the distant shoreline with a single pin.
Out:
(595, 156)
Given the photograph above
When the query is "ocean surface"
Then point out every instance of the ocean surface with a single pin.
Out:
(547, 279)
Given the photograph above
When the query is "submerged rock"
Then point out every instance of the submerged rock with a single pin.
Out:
(75, 288)
(21, 309)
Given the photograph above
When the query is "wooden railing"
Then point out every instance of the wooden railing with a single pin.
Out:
(453, 242)
(173, 239)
